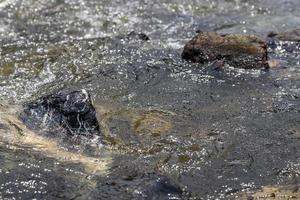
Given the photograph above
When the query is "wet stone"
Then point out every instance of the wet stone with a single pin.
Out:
(163, 188)
(132, 179)
(68, 112)
(293, 35)
(237, 50)
(138, 35)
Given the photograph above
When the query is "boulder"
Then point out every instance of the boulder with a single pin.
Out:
(237, 50)
(67, 112)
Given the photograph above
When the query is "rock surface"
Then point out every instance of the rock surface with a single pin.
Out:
(293, 35)
(241, 51)
(68, 112)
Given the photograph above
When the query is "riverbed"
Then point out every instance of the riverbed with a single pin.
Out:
(171, 129)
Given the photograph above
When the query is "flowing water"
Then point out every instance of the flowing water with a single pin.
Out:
(169, 125)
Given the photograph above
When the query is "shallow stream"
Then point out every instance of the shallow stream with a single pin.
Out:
(174, 130)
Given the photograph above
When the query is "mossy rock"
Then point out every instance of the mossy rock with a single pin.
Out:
(154, 123)
(237, 50)
(32, 61)
(7, 69)
(183, 158)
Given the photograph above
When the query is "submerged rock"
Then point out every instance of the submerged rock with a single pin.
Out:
(68, 112)
(154, 123)
(241, 51)
(293, 35)
(163, 188)
(138, 35)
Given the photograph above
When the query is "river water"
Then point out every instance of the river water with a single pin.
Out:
(172, 125)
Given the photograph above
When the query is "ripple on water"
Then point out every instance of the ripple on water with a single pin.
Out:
(190, 122)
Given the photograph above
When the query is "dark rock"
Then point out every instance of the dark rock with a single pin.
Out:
(163, 189)
(293, 35)
(250, 198)
(241, 51)
(199, 31)
(137, 35)
(135, 180)
(68, 112)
